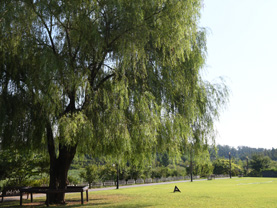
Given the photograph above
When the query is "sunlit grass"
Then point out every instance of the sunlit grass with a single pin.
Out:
(235, 192)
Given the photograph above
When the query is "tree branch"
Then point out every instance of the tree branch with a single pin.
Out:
(50, 141)
(49, 31)
(103, 80)
(131, 28)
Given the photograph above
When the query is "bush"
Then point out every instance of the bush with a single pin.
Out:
(175, 171)
(39, 182)
(156, 173)
(259, 162)
(90, 174)
(107, 172)
(73, 180)
(254, 173)
(222, 166)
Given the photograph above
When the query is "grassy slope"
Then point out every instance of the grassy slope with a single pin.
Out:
(237, 192)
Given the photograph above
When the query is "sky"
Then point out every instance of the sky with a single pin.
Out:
(242, 43)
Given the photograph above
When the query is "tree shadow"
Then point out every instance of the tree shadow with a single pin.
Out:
(71, 204)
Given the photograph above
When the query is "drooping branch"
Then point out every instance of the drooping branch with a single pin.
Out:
(132, 28)
(97, 67)
(49, 30)
(103, 80)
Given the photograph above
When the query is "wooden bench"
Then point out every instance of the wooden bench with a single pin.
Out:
(10, 192)
(122, 182)
(47, 191)
(148, 180)
(139, 181)
(95, 184)
(131, 181)
(109, 183)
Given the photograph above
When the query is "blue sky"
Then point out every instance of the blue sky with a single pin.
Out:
(242, 43)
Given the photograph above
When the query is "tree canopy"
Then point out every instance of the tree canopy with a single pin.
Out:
(105, 77)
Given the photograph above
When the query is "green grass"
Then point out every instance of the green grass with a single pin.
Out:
(235, 192)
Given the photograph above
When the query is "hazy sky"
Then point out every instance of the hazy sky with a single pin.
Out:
(242, 43)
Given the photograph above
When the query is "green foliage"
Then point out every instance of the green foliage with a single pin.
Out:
(73, 180)
(19, 168)
(38, 182)
(198, 156)
(122, 79)
(259, 162)
(147, 172)
(165, 160)
(159, 172)
(90, 174)
(222, 166)
(107, 78)
(203, 170)
(241, 152)
(178, 171)
(169, 171)
(254, 173)
(108, 172)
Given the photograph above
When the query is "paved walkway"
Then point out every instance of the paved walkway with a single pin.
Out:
(148, 184)
(111, 188)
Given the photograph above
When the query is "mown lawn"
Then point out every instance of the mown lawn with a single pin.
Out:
(235, 192)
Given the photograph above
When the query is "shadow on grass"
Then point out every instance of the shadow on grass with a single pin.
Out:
(71, 204)
(39, 204)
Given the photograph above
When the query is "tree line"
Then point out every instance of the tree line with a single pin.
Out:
(31, 169)
(241, 152)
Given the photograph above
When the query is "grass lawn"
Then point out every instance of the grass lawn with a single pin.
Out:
(235, 192)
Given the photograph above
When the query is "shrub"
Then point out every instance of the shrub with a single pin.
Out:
(90, 174)
(39, 182)
(73, 180)
(254, 173)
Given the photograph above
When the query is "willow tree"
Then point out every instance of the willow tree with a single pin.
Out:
(104, 77)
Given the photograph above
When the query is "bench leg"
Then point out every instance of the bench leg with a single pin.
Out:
(31, 197)
(21, 198)
(47, 199)
(87, 194)
(82, 198)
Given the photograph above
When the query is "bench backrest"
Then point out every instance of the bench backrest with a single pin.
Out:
(11, 191)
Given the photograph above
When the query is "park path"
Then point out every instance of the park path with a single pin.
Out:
(17, 198)
(150, 184)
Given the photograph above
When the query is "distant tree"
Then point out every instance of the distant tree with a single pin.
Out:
(90, 174)
(108, 172)
(117, 78)
(222, 166)
(135, 171)
(223, 151)
(259, 162)
(147, 172)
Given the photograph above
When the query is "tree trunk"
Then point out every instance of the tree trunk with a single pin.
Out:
(59, 167)
(58, 173)
(191, 166)
(191, 175)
